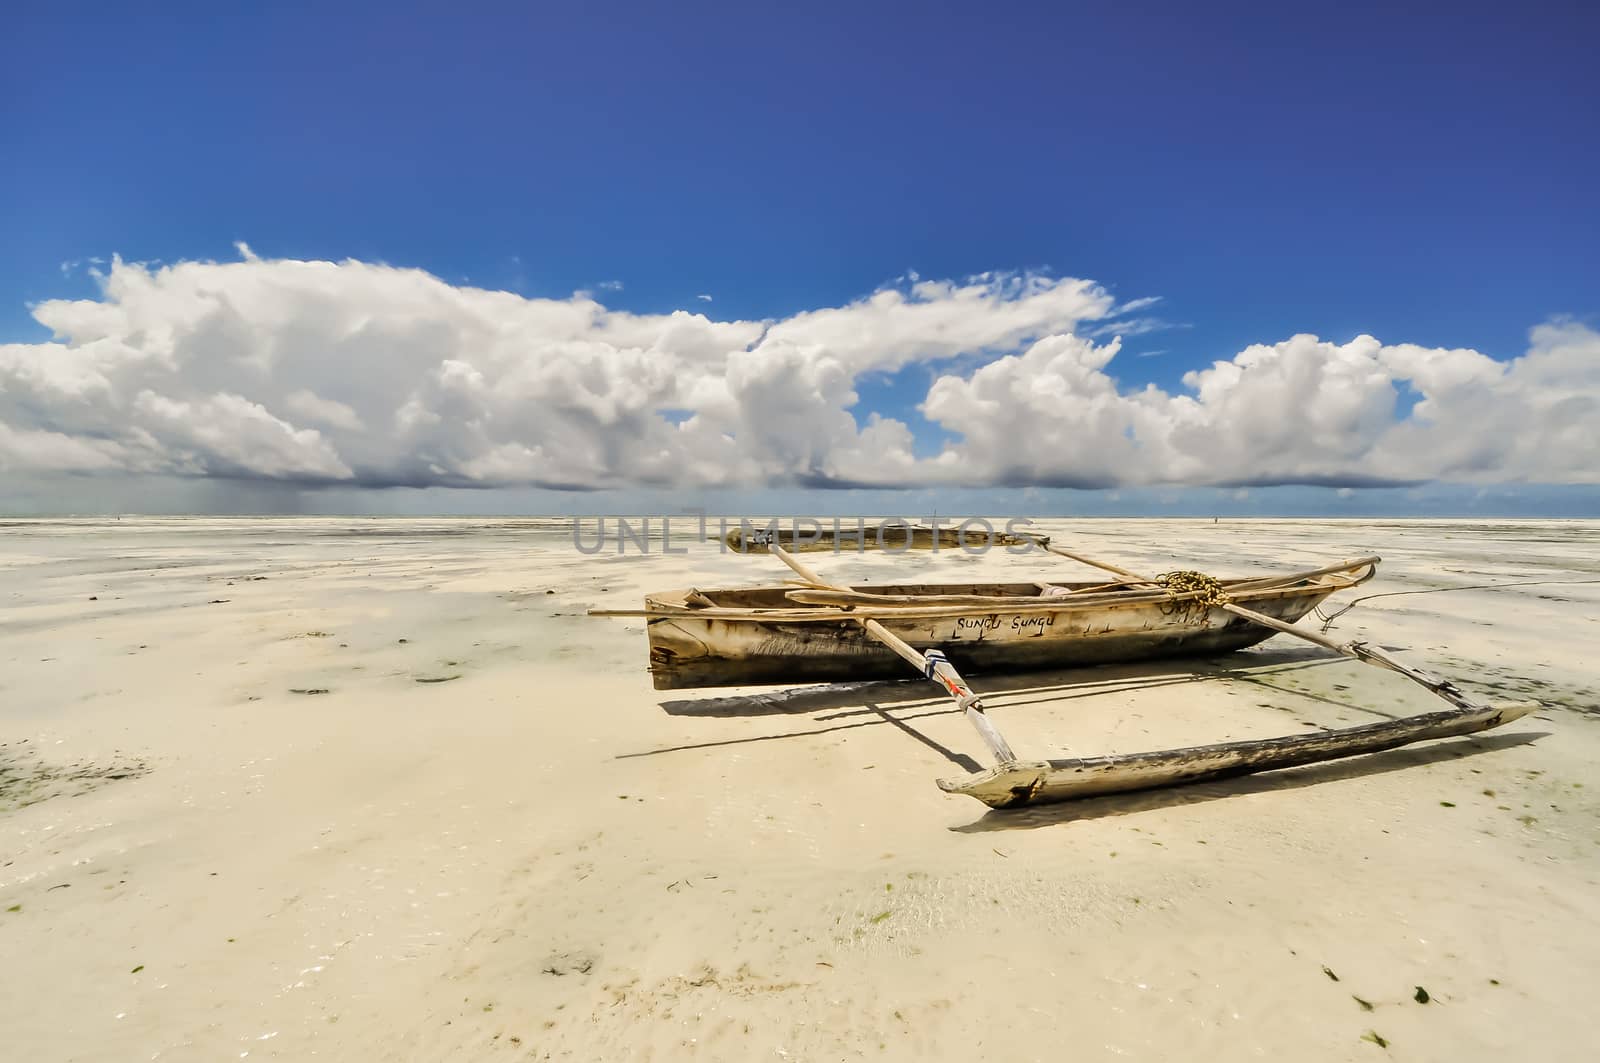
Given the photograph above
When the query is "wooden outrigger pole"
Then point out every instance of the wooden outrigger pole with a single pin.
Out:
(1013, 782)
(1357, 651)
(933, 665)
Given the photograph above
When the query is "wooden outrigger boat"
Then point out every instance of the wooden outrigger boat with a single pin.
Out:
(782, 634)
(815, 631)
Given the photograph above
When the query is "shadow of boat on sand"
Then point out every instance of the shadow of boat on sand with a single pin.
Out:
(1059, 685)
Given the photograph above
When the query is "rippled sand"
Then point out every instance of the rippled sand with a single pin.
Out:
(378, 789)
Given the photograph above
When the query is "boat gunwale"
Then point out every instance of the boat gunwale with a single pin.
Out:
(1292, 585)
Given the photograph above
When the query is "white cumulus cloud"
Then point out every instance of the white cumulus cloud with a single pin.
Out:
(362, 374)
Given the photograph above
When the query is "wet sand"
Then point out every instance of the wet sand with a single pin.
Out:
(379, 789)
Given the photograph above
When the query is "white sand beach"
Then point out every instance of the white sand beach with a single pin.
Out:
(379, 789)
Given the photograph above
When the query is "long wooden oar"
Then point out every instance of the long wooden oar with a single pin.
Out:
(933, 665)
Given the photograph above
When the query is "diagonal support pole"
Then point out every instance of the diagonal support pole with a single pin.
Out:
(1356, 651)
(933, 665)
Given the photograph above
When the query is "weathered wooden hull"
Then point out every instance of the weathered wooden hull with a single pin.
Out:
(692, 651)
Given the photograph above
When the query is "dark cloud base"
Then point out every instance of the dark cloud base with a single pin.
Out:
(166, 496)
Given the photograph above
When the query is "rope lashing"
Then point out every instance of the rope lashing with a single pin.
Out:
(1207, 589)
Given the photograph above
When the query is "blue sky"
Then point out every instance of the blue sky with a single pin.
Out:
(1412, 173)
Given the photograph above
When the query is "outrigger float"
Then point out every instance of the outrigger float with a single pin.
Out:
(812, 630)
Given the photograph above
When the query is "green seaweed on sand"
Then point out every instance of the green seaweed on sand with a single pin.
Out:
(1376, 1038)
(1421, 996)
